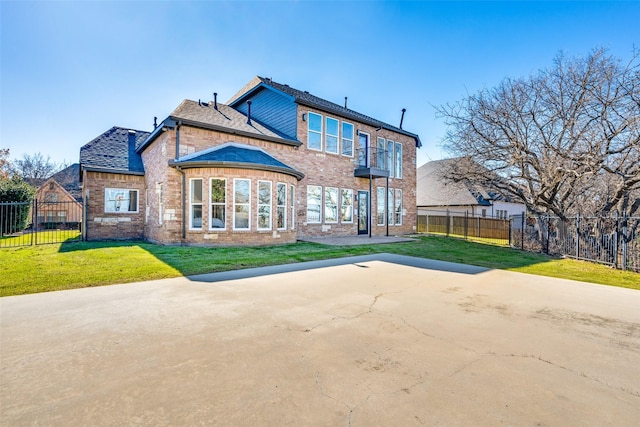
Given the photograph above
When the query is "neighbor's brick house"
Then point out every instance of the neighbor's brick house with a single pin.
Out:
(272, 165)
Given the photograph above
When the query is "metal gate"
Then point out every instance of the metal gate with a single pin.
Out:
(39, 222)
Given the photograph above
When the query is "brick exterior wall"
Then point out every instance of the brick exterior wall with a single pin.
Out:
(160, 218)
(101, 225)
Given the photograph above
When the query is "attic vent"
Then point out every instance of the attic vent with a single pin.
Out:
(306, 91)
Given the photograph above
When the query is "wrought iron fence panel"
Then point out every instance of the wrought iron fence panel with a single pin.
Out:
(39, 222)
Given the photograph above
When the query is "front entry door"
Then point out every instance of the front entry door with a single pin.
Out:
(363, 212)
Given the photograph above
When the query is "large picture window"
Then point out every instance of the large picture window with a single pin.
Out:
(314, 134)
(241, 204)
(195, 204)
(314, 204)
(380, 217)
(398, 160)
(218, 203)
(281, 206)
(118, 200)
(398, 209)
(346, 208)
(330, 204)
(347, 139)
(331, 135)
(264, 205)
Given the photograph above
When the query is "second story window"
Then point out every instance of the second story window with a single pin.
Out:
(398, 160)
(331, 135)
(390, 165)
(347, 139)
(314, 134)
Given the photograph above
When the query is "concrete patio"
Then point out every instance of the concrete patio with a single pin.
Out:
(363, 341)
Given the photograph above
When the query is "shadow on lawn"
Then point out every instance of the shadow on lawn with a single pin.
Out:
(435, 253)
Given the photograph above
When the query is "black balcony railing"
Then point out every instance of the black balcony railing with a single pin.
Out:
(371, 162)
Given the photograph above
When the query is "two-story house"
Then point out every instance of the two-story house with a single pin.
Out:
(272, 165)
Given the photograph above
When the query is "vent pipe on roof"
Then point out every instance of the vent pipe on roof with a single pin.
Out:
(248, 112)
(155, 122)
(345, 102)
(404, 110)
(215, 100)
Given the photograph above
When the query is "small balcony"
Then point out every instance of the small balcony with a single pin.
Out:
(371, 162)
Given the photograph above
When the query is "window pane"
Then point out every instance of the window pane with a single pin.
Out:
(346, 211)
(241, 216)
(314, 203)
(196, 191)
(390, 206)
(133, 201)
(398, 160)
(120, 200)
(315, 122)
(315, 141)
(330, 204)
(282, 194)
(196, 216)
(347, 139)
(264, 217)
(398, 210)
(241, 191)
(390, 167)
(380, 154)
(217, 216)
(380, 217)
(218, 191)
(264, 193)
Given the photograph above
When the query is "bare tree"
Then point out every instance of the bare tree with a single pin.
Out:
(35, 166)
(563, 141)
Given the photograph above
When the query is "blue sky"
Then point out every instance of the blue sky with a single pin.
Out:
(71, 70)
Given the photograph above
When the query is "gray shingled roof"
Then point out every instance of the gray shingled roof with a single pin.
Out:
(114, 151)
(236, 155)
(305, 98)
(69, 179)
(224, 118)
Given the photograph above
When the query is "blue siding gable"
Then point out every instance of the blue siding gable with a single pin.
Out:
(273, 109)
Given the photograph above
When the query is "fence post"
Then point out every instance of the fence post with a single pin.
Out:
(466, 225)
(34, 226)
(447, 222)
(578, 236)
(624, 240)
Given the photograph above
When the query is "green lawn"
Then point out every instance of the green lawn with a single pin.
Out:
(52, 267)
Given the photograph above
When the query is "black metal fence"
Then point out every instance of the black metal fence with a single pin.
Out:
(39, 222)
(613, 241)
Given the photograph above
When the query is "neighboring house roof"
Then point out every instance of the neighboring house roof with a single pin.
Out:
(305, 98)
(69, 179)
(217, 117)
(114, 151)
(434, 188)
(236, 155)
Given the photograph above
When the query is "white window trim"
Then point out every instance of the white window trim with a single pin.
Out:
(192, 204)
(309, 113)
(259, 205)
(337, 205)
(212, 204)
(342, 139)
(235, 180)
(327, 134)
(286, 196)
(106, 190)
(321, 205)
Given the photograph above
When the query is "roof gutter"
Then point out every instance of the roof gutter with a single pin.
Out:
(239, 165)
